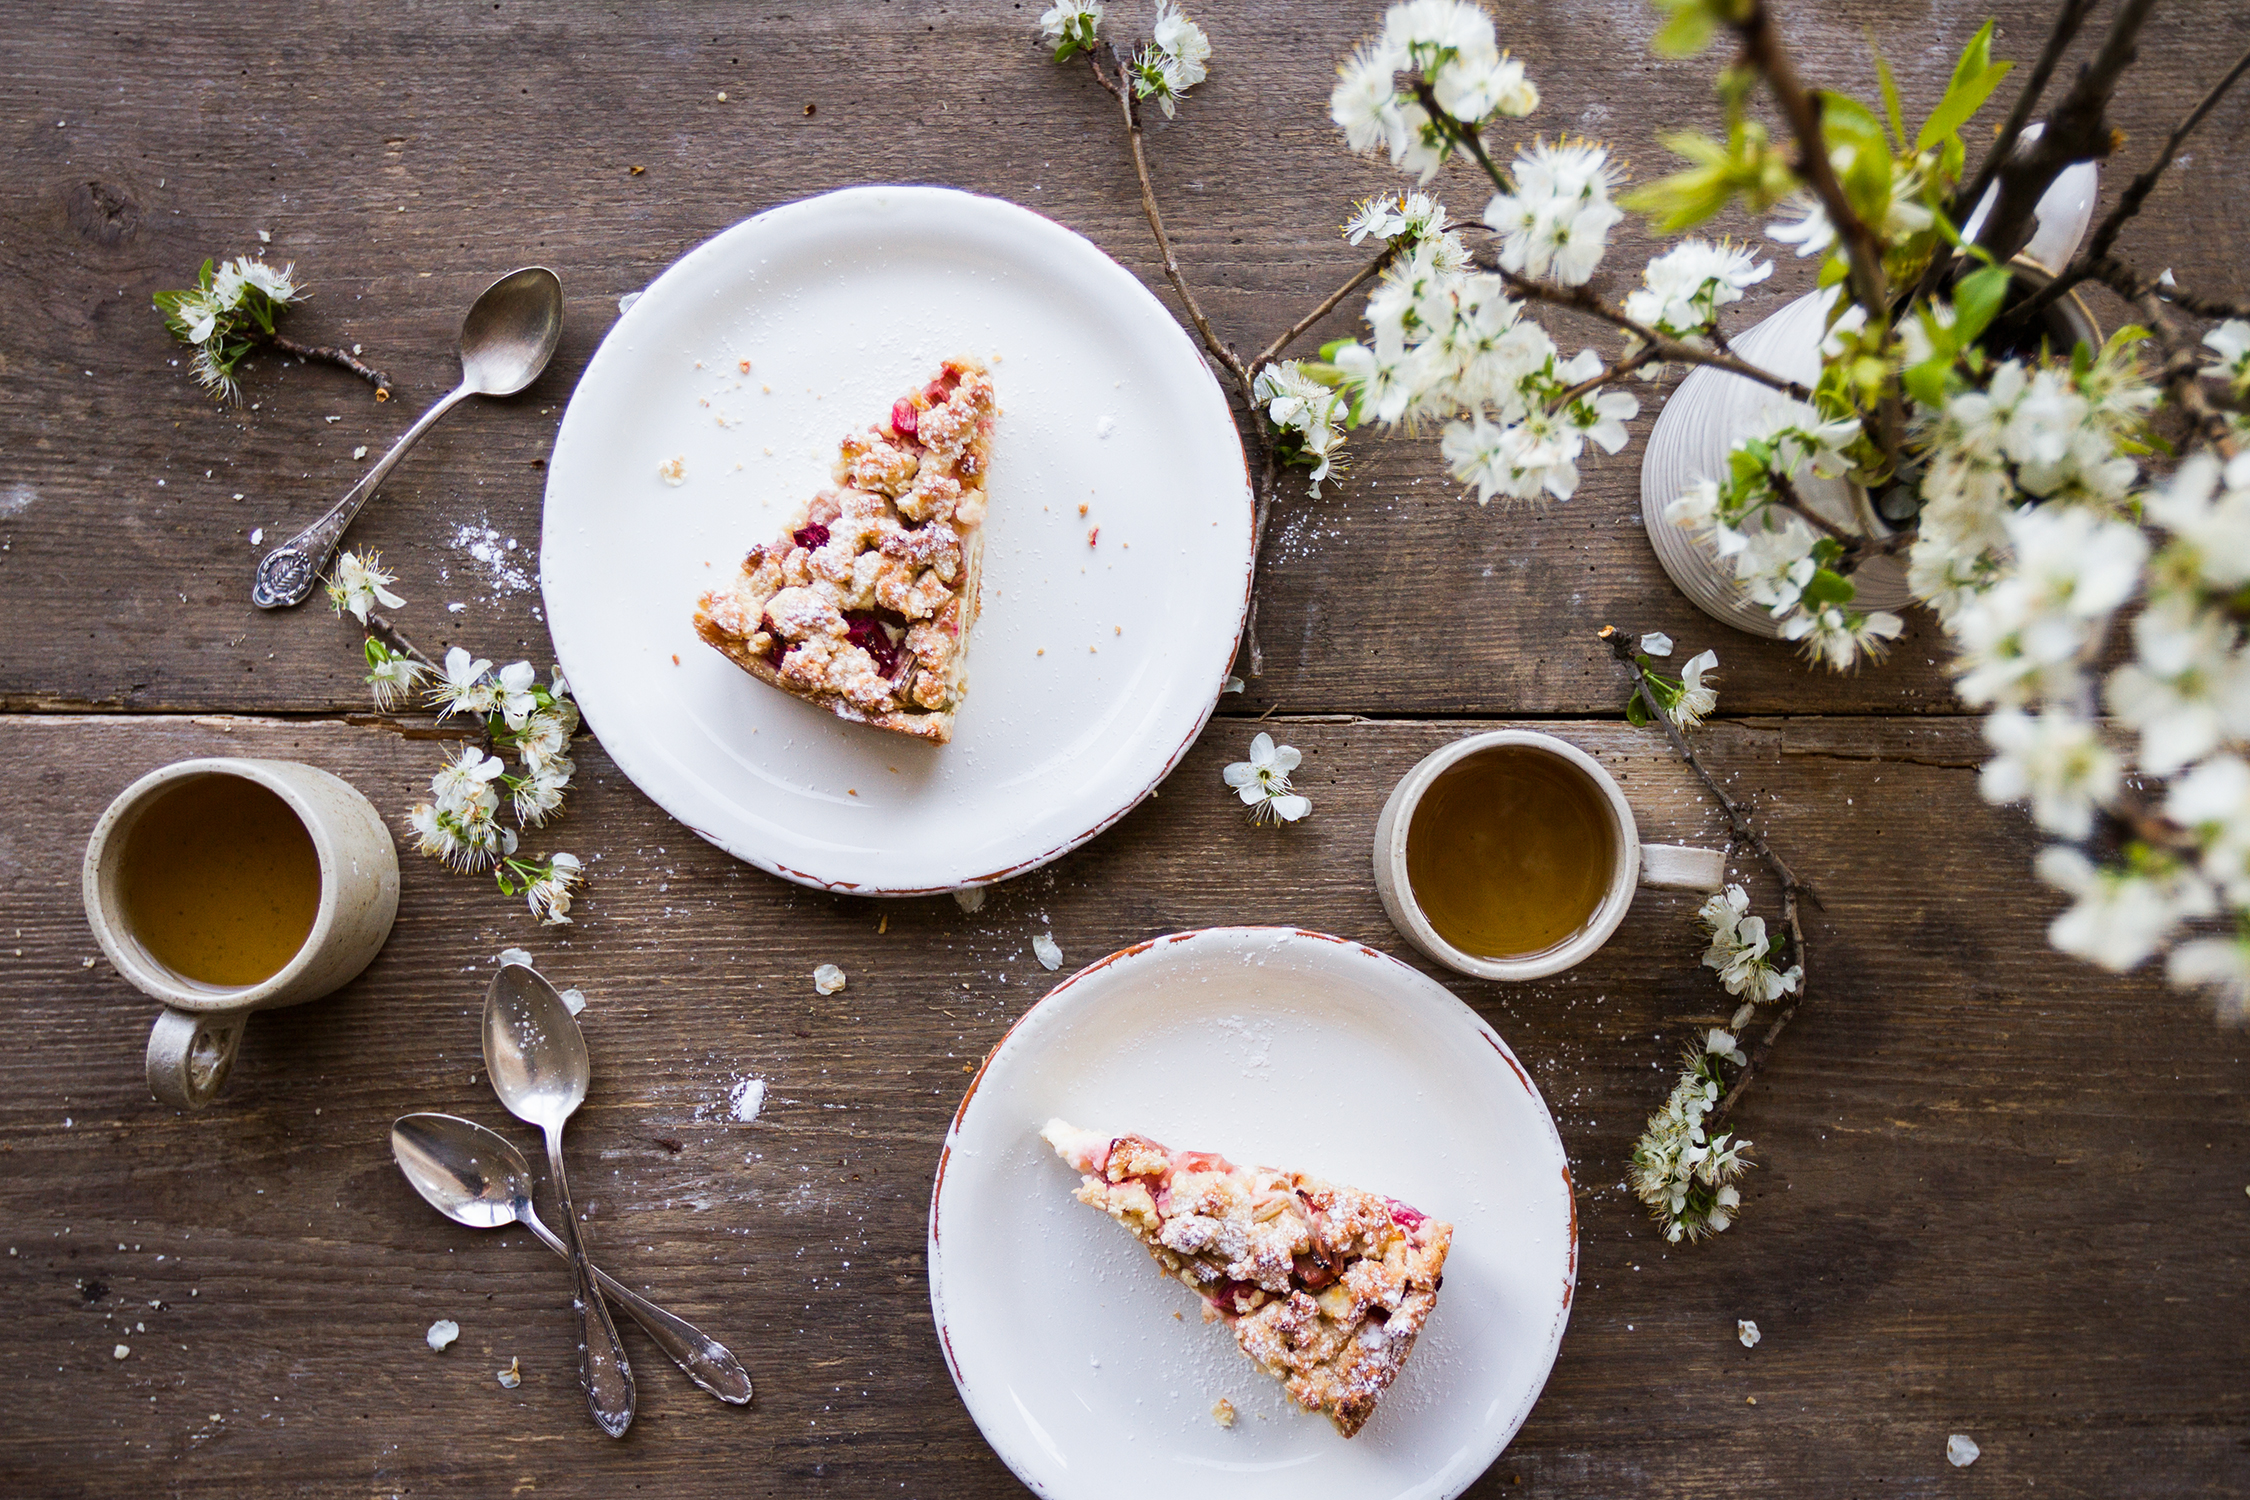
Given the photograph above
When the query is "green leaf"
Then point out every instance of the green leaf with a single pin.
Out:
(1890, 90)
(1976, 301)
(1925, 382)
(1636, 712)
(1975, 76)
(1687, 30)
(1829, 588)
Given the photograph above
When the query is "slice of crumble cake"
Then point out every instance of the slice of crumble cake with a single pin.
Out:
(1325, 1286)
(864, 603)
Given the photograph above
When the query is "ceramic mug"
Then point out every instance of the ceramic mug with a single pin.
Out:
(1634, 864)
(195, 1038)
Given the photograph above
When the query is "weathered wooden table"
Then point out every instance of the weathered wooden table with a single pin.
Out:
(1997, 1193)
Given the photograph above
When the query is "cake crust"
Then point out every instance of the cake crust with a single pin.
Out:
(1325, 1286)
(864, 603)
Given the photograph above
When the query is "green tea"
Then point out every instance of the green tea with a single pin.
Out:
(221, 881)
(1511, 851)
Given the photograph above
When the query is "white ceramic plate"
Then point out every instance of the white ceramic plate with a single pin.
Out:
(841, 303)
(1271, 1046)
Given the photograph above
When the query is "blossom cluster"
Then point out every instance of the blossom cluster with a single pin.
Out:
(1740, 952)
(1175, 58)
(231, 305)
(1683, 1174)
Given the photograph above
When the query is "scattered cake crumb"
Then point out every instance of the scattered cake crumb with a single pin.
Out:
(673, 471)
(120, 1351)
(1093, 537)
(745, 366)
(1082, 507)
(1049, 952)
(1222, 1412)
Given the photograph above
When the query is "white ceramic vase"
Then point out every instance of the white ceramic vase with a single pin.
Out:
(1711, 410)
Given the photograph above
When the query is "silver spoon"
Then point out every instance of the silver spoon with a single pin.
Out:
(537, 1058)
(477, 1177)
(506, 340)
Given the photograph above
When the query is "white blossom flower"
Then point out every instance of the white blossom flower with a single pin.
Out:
(549, 894)
(2206, 508)
(198, 314)
(2056, 759)
(538, 796)
(279, 285)
(512, 695)
(2119, 916)
(391, 675)
(2218, 966)
(1684, 288)
(1738, 950)
(1840, 637)
(2212, 801)
(1262, 781)
(1174, 60)
(1697, 698)
(1365, 103)
(357, 584)
(1558, 217)
(828, 979)
(1810, 231)
(465, 782)
(1747, 1331)
(465, 689)
(1720, 1043)
(1071, 21)
(2188, 686)
(1297, 403)
(2231, 342)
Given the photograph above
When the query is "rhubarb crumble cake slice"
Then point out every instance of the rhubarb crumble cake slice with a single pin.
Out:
(1325, 1286)
(863, 604)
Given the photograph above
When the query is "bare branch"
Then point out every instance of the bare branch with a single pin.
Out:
(2078, 130)
(334, 356)
(1328, 304)
(1211, 340)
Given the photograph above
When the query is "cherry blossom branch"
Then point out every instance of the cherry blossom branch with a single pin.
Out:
(1621, 646)
(2067, 21)
(1663, 350)
(334, 356)
(1762, 49)
(382, 622)
(1328, 304)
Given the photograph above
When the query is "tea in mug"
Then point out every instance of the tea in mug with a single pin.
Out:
(220, 881)
(1510, 851)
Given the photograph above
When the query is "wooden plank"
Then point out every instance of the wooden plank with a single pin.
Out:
(1996, 1191)
(401, 159)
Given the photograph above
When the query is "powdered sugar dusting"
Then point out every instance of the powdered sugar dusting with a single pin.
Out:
(505, 564)
(746, 1098)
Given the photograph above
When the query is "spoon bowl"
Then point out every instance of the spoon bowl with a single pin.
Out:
(533, 1048)
(511, 332)
(463, 1170)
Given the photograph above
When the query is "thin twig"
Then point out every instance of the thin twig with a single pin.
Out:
(1667, 351)
(2078, 130)
(1328, 304)
(335, 356)
(1211, 339)
(1621, 646)
(2182, 374)
(2099, 246)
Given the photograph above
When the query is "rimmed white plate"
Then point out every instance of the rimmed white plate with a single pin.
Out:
(1096, 660)
(1272, 1046)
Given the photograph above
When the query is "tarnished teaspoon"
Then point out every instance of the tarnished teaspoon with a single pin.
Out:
(506, 340)
(536, 1057)
(476, 1177)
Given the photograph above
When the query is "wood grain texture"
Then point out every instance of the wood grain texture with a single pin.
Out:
(1996, 1194)
(402, 155)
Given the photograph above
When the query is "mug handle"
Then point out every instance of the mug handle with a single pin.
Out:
(1675, 867)
(188, 1056)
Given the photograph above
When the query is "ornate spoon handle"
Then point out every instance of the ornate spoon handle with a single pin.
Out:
(602, 1366)
(286, 574)
(709, 1363)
